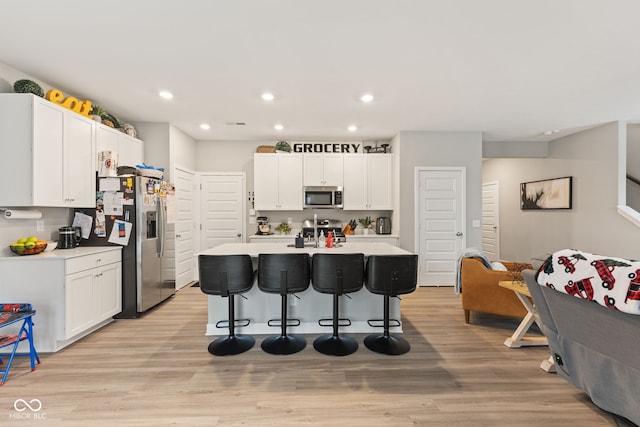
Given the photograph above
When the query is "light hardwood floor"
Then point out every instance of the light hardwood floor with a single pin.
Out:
(156, 371)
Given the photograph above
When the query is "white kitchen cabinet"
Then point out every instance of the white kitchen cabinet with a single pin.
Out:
(48, 153)
(277, 181)
(93, 293)
(130, 150)
(74, 291)
(323, 169)
(368, 181)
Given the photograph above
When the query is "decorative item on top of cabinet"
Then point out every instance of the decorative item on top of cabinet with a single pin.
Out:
(283, 147)
(97, 112)
(377, 149)
(266, 149)
(28, 86)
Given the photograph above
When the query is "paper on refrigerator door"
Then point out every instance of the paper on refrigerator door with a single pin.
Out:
(83, 221)
(120, 232)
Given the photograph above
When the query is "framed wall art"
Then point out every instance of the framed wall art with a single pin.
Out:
(546, 194)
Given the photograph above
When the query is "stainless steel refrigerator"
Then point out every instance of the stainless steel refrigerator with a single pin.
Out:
(131, 212)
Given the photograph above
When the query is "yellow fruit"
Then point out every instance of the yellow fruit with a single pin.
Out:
(22, 240)
(32, 239)
(29, 245)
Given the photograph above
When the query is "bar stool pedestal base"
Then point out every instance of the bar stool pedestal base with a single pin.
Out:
(335, 345)
(284, 344)
(230, 345)
(387, 344)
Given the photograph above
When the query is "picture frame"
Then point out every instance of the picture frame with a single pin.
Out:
(553, 193)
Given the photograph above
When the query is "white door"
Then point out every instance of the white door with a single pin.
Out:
(490, 220)
(440, 221)
(184, 182)
(223, 208)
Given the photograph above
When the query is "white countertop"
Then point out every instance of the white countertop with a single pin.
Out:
(372, 236)
(253, 249)
(58, 254)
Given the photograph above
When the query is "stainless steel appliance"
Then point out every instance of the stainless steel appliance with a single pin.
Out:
(323, 226)
(66, 238)
(133, 205)
(264, 228)
(383, 225)
(322, 197)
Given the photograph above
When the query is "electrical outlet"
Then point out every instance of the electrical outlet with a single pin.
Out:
(40, 225)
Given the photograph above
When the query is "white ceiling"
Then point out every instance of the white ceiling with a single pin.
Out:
(512, 69)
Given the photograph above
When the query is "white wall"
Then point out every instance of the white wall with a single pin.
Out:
(593, 225)
(438, 149)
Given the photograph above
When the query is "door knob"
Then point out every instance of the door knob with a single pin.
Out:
(239, 235)
(458, 234)
(178, 236)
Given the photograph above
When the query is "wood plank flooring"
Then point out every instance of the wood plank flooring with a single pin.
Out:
(156, 371)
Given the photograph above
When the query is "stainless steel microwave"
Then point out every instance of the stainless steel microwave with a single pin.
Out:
(323, 197)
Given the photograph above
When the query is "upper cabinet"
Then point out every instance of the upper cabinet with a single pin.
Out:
(368, 181)
(130, 150)
(276, 181)
(48, 154)
(323, 169)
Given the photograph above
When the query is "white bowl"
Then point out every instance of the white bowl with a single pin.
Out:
(51, 245)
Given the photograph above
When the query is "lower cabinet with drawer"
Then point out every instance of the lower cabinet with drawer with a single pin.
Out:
(93, 293)
(74, 291)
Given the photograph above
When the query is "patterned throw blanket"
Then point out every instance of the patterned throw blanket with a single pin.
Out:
(611, 282)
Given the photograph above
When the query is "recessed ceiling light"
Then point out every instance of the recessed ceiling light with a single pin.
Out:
(166, 94)
(352, 128)
(366, 97)
(550, 132)
(278, 127)
(267, 96)
(205, 126)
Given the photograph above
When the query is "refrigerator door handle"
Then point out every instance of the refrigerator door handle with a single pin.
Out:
(160, 216)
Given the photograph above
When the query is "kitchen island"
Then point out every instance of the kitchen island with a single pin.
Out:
(308, 306)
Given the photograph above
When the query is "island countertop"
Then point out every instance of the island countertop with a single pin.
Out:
(253, 249)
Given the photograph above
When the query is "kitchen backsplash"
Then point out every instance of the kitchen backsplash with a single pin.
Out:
(52, 219)
(298, 217)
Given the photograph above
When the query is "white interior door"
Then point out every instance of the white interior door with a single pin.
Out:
(440, 217)
(184, 182)
(490, 220)
(223, 208)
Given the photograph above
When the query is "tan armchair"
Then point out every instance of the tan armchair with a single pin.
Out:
(480, 290)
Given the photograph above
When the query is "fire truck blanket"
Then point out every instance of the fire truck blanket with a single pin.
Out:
(611, 282)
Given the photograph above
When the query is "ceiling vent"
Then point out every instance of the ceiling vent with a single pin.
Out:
(235, 123)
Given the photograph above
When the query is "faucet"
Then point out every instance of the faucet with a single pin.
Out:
(315, 230)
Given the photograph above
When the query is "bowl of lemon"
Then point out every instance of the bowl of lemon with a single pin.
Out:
(28, 246)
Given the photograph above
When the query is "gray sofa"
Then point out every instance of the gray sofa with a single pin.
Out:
(596, 348)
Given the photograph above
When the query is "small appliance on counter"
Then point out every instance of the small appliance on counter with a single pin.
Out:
(66, 237)
(383, 225)
(263, 226)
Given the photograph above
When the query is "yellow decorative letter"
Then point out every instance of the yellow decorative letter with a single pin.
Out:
(55, 96)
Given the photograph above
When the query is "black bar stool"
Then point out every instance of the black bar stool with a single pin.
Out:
(337, 274)
(283, 274)
(227, 275)
(390, 276)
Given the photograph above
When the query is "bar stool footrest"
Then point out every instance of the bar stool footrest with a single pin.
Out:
(329, 322)
(379, 323)
(278, 322)
(240, 323)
